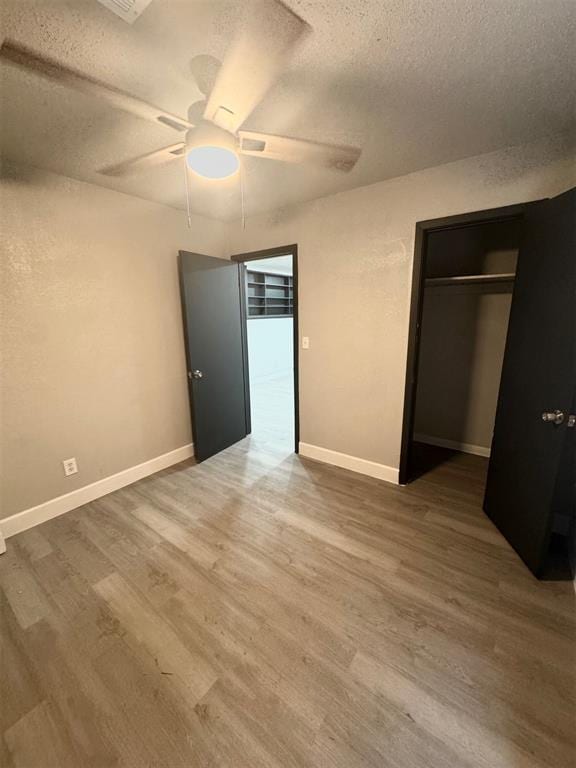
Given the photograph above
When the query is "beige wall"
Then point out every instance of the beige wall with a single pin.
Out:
(93, 362)
(355, 259)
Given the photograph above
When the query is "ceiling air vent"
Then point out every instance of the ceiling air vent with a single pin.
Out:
(253, 145)
(129, 10)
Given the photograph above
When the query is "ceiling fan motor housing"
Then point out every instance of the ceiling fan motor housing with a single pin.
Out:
(209, 135)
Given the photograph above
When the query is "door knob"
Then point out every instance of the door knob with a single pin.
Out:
(195, 374)
(556, 417)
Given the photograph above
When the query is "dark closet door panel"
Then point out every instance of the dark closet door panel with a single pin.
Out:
(539, 375)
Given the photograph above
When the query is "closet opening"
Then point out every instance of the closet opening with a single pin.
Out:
(463, 282)
(468, 282)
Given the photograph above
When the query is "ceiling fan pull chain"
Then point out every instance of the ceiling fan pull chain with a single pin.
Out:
(242, 194)
(187, 195)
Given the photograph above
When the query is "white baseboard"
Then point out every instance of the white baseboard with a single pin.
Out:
(28, 518)
(477, 450)
(362, 466)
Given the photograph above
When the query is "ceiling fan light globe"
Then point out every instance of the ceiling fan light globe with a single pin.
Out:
(211, 152)
(212, 162)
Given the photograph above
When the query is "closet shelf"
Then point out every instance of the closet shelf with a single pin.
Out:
(269, 295)
(502, 277)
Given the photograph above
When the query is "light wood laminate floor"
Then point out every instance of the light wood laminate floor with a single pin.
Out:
(264, 610)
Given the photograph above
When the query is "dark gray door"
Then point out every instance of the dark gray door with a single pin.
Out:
(538, 377)
(212, 296)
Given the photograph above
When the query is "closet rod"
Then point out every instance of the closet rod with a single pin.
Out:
(502, 277)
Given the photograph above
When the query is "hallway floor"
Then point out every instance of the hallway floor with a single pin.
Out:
(272, 406)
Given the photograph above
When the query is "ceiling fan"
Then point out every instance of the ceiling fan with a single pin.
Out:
(214, 137)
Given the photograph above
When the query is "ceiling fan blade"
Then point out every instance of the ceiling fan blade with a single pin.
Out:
(253, 62)
(21, 56)
(144, 162)
(341, 158)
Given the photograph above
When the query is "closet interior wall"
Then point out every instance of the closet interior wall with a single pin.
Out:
(467, 297)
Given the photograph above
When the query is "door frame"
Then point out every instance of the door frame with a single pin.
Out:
(423, 229)
(268, 253)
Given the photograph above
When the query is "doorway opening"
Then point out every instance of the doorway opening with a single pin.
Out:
(270, 321)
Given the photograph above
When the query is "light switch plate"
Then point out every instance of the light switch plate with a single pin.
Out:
(305, 342)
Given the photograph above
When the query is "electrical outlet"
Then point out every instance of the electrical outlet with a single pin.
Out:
(305, 342)
(70, 466)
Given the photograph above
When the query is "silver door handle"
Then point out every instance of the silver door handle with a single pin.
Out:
(556, 417)
(195, 375)
(571, 420)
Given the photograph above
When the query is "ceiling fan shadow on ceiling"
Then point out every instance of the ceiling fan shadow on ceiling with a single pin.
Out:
(214, 137)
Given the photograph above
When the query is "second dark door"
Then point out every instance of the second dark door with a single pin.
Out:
(211, 291)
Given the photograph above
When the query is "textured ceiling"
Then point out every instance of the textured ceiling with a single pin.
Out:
(415, 83)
